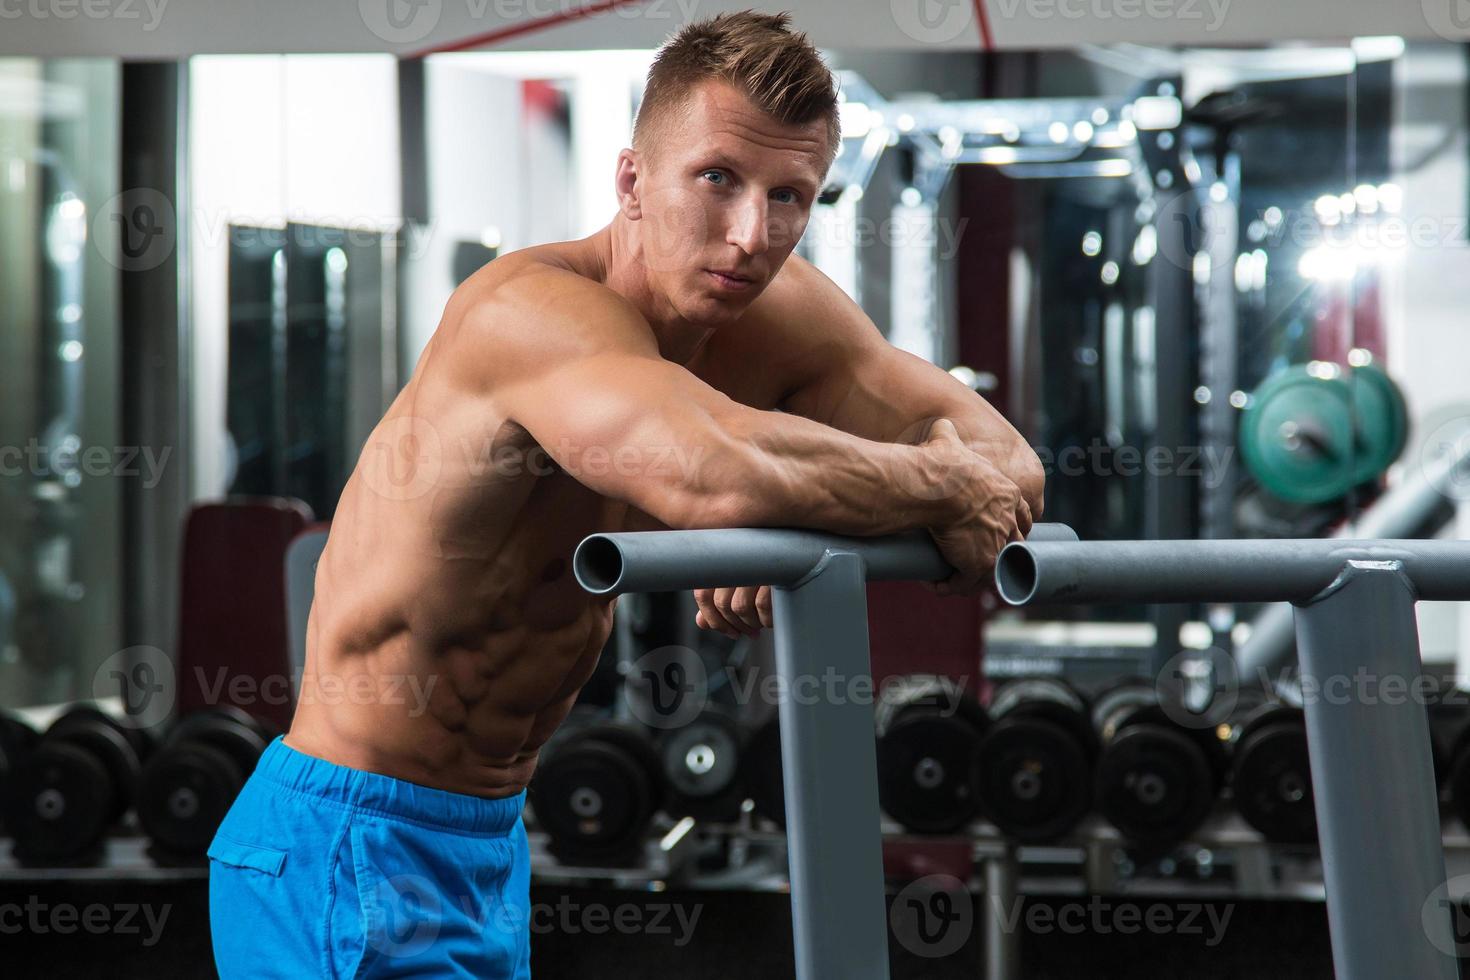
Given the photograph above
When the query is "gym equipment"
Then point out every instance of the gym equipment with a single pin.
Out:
(1271, 774)
(1033, 769)
(761, 773)
(1371, 762)
(78, 781)
(1382, 418)
(1309, 434)
(595, 792)
(17, 739)
(928, 730)
(233, 604)
(701, 763)
(829, 755)
(1416, 507)
(1156, 780)
(189, 784)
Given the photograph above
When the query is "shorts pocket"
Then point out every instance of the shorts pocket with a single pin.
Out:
(252, 857)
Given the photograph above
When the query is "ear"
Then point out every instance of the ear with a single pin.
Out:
(625, 183)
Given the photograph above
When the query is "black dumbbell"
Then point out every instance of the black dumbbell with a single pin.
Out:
(78, 781)
(17, 739)
(1033, 769)
(762, 778)
(188, 785)
(1156, 780)
(1271, 773)
(701, 763)
(595, 791)
(928, 731)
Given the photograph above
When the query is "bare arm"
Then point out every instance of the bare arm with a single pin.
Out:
(580, 370)
(848, 376)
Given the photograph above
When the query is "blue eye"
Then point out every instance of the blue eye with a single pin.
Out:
(786, 197)
(713, 176)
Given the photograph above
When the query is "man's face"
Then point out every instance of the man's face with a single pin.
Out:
(724, 194)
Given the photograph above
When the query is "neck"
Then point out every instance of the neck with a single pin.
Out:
(620, 267)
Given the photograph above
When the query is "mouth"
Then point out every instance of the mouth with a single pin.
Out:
(730, 281)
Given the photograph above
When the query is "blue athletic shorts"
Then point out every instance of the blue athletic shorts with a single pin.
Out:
(319, 870)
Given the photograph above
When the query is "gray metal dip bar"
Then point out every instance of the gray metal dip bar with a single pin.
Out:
(1372, 774)
(819, 605)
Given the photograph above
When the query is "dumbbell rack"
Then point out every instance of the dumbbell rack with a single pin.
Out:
(1224, 860)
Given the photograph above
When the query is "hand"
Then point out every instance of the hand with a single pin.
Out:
(990, 512)
(734, 611)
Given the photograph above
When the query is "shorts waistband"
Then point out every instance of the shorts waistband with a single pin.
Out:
(392, 797)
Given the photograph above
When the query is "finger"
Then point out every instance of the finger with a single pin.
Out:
(712, 618)
(724, 602)
(763, 606)
(1023, 518)
(742, 610)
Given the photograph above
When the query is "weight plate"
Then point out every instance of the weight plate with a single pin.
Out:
(17, 739)
(226, 729)
(1382, 421)
(137, 737)
(1272, 782)
(59, 802)
(184, 794)
(1297, 436)
(926, 694)
(96, 732)
(1154, 784)
(924, 764)
(761, 775)
(1033, 778)
(638, 744)
(701, 763)
(1049, 699)
(592, 798)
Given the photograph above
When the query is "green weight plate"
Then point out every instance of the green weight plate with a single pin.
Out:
(1296, 437)
(1382, 421)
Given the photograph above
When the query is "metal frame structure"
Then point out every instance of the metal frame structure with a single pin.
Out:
(828, 756)
(1372, 771)
(1383, 865)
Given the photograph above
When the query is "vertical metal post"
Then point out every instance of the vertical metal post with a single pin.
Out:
(830, 772)
(1002, 938)
(1372, 774)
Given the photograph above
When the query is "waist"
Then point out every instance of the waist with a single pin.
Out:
(297, 772)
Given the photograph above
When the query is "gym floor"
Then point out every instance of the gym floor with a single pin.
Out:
(736, 935)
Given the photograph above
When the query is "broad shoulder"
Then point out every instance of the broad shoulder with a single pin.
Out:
(530, 309)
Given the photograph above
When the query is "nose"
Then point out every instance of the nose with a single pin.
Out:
(747, 230)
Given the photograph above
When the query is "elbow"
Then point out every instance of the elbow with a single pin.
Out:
(1030, 477)
(700, 511)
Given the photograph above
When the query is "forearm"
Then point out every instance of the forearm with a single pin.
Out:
(800, 473)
